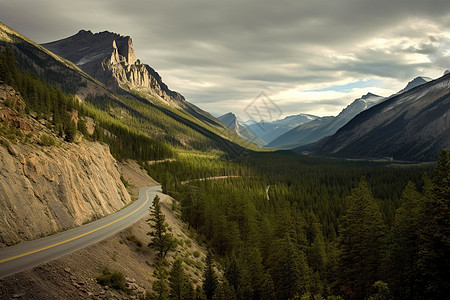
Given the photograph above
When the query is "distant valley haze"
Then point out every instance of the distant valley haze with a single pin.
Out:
(307, 56)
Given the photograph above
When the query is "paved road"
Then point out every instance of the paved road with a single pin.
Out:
(29, 254)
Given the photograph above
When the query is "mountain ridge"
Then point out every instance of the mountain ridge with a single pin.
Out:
(270, 130)
(412, 126)
(231, 121)
(321, 127)
(110, 58)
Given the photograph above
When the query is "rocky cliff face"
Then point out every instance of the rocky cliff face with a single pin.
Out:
(111, 59)
(47, 189)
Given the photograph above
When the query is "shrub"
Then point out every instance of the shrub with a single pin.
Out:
(114, 279)
(46, 140)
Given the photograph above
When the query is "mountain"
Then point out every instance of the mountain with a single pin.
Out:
(415, 82)
(230, 120)
(160, 119)
(413, 126)
(269, 131)
(110, 58)
(321, 127)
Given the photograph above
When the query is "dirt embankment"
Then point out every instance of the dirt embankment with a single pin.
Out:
(73, 276)
(48, 189)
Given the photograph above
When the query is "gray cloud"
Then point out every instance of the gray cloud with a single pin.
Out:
(221, 54)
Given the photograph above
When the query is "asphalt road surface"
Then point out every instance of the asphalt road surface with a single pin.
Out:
(30, 254)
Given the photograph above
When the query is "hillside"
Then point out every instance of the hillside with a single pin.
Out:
(46, 189)
(140, 111)
(411, 126)
(110, 58)
(73, 276)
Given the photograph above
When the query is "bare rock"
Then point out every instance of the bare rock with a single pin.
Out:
(63, 189)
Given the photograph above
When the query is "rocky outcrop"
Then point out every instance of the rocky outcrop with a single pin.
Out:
(111, 59)
(47, 189)
(54, 188)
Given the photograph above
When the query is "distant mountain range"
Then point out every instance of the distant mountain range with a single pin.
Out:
(270, 130)
(321, 127)
(230, 120)
(413, 125)
(325, 126)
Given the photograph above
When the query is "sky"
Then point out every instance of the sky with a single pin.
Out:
(306, 56)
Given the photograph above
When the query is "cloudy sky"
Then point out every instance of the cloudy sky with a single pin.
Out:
(307, 56)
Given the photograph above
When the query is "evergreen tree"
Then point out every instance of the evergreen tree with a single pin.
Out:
(233, 273)
(162, 241)
(251, 273)
(210, 278)
(159, 286)
(434, 233)
(381, 291)
(224, 292)
(180, 288)
(268, 288)
(361, 243)
(402, 255)
(289, 270)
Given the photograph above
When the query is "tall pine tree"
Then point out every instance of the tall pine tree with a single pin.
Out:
(434, 249)
(210, 278)
(402, 254)
(361, 243)
(162, 241)
(180, 287)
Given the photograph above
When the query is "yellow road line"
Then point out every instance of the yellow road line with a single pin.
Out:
(75, 237)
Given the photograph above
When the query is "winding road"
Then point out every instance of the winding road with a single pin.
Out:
(29, 254)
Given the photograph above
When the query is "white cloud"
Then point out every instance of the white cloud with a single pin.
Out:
(222, 54)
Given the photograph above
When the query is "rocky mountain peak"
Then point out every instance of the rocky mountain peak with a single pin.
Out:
(369, 95)
(110, 58)
(419, 80)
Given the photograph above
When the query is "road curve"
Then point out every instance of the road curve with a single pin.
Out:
(29, 254)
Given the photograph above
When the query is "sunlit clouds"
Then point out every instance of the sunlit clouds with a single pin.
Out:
(311, 57)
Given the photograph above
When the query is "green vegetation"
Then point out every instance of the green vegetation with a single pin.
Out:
(114, 279)
(209, 278)
(162, 241)
(46, 140)
(138, 243)
(59, 110)
(328, 228)
(180, 287)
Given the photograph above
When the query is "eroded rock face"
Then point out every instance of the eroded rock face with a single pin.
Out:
(43, 190)
(110, 58)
